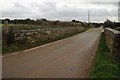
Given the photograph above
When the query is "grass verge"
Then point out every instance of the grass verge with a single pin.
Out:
(104, 66)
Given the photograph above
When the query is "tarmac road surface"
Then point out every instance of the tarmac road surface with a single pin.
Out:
(68, 58)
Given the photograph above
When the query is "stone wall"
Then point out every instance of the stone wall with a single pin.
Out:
(113, 42)
(38, 36)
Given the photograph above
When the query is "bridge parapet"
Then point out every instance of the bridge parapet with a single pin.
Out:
(113, 42)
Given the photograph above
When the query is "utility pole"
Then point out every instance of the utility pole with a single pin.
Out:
(88, 16)
(119, 11)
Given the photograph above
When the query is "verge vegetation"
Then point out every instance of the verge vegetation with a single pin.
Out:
(104, 66)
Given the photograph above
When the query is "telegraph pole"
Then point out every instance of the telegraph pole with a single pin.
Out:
(88, 16)
(119, 11)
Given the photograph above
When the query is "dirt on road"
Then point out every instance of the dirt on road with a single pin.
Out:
(68, 58)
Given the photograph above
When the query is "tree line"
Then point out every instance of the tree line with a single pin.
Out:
(31, 21)
(45, 22)
(110, 24)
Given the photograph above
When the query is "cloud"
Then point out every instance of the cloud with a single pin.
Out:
(104, 3)
(18, 11)
(62, 10)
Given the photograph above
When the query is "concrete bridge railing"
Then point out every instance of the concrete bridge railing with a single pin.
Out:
(113, 42)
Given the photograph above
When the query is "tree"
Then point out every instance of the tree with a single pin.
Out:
(74, 20)
(108, 23)
(43, 19)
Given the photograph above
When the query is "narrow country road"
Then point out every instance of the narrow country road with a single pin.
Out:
(67, 58)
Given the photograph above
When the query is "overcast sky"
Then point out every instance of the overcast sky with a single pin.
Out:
(60, 9)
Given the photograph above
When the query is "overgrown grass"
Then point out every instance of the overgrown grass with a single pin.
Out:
(13, 48)
(104, 66)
